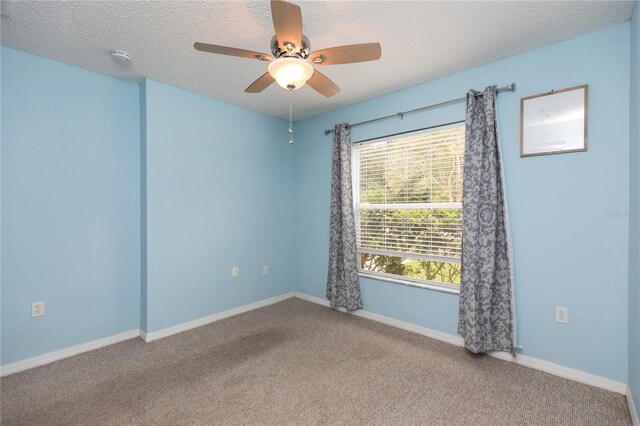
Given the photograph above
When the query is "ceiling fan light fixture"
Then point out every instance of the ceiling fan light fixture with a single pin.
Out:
(290, 73)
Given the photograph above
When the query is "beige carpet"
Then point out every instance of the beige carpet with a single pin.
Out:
(297, 363)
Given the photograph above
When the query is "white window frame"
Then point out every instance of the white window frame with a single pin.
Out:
(357, 206)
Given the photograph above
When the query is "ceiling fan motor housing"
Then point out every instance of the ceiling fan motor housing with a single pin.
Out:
(290, 49)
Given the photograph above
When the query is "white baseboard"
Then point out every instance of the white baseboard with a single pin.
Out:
(538, 364)
(527, 361)
(165, 332)
(49, 357)
(313, 299)
(632, 408)
(565, 372)
(438, 335)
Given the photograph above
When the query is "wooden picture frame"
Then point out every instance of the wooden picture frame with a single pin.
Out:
(554, 122)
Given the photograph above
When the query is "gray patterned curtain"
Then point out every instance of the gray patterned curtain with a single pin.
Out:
(343, 287)
(486, 318)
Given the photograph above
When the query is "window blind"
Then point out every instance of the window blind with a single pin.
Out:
(409, 194)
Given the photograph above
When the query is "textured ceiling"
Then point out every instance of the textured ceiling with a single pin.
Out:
(421, 40)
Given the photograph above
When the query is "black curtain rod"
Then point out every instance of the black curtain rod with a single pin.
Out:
(509, 88)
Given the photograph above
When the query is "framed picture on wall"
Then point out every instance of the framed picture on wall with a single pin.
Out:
(554, 122)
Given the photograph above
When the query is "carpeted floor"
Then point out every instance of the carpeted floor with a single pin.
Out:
(297, 363)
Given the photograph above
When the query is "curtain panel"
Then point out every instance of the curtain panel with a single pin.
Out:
(343, 286)
(486, 318)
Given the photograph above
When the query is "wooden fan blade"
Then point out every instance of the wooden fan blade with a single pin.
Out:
(287, 21)
(232, 51)
(260, 84)
(322, 84)
(347, 54)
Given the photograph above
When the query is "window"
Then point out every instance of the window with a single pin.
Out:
(408, 199)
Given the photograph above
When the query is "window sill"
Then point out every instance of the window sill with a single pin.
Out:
(425, 285)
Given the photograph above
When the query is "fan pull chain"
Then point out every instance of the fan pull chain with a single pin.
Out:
(290, 118)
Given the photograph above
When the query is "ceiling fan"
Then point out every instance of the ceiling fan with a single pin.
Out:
(291, 61)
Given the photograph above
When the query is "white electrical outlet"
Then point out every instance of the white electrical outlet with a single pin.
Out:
(37, 309)
(265, 270)
(234, 271)
(562, 314)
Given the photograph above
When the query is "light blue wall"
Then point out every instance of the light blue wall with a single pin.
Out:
(0, 202)
(634, 204)
(83, 156)
(143, 205)
(70, 205)
(219, 193)
(568, 252)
